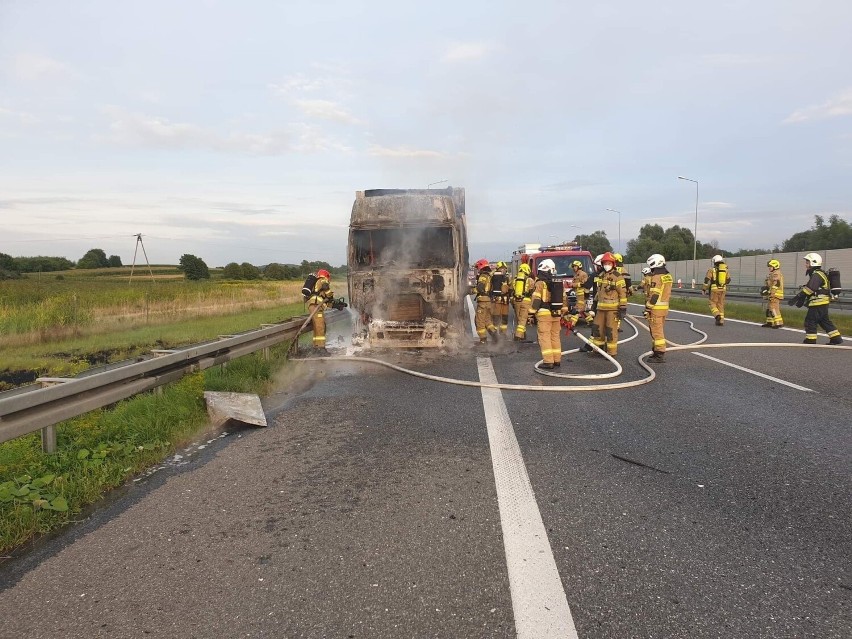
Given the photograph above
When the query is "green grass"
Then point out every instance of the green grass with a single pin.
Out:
(104, 448)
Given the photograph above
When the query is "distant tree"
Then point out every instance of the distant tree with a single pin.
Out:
(94, 258)
(274, 271)
(821, 236)
(249, 271)
(114, 261)
(596, 243)
(232, 271)
(8, 268)
(193, 267)
(43, 264)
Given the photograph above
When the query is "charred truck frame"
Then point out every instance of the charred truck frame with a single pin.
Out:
(408, 262)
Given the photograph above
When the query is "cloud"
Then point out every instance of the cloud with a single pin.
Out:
(466, 51)
(326, 110)
(404, 152)
(569, 185)
(27, 66)
(717, 205)
(136, 129)
(21, 117)
(735, 60)
(838, 106)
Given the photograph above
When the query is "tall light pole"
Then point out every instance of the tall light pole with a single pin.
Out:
(438, 182)
(695, 233)
(619, 227)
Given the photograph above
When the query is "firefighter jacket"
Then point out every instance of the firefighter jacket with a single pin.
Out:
(817, 291)
(522, 286)
(580, 279)
(716, 278)
(500, 287)
(660, 290)
(774, 285)
(322, 293)
(612, 293)
(542, 299)
(483, 287)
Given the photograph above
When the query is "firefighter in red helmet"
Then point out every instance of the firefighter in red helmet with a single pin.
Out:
(322, 298)
(612, 305)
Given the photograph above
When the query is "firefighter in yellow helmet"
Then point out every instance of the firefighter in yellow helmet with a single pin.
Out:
(716, 284)
(322, 298)
(547, 305)
(612, 305)
(522, 290)
(500, 297)
(657, 305)
(482, 293)
(580, 290)
(816, 295)
(773, 292)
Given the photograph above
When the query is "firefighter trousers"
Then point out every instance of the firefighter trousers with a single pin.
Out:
(482, 319)
(549, 339)
(818, 316)
(717, 303)
(656, 324)
(607, 330)
(522, 312)
(318, 325)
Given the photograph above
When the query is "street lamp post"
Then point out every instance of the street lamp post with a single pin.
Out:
(438, 182)
(695, 233)
(619, 228)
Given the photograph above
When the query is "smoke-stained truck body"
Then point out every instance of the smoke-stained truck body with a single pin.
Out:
(408, 262)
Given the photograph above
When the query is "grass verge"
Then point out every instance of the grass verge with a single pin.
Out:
(104, 448)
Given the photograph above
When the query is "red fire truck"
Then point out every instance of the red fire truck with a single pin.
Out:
(562, 255)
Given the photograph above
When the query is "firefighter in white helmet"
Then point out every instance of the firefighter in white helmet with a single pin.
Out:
(657, 305)
(645, 284)
(716, 284)
(547, 303)
(773, 292)
(816, 295)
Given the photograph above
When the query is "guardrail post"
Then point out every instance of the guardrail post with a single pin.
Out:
(48, 439)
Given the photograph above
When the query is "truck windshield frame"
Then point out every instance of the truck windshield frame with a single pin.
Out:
(406, 247)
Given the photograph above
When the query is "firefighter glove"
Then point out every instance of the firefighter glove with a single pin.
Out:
(764, 292)
(798, 301)
(622, 311)
(646, 313)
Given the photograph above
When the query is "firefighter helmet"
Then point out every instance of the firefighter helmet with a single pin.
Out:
(608, 257)
(576, 264)
(547, 266)
(656, 261)
(323, 273)
(813, 259)
(598, 259)
(646, 270)
(524, 268)
(481, 264)
(501, 265)
(717, 259)
(773, 264)
(619, 258)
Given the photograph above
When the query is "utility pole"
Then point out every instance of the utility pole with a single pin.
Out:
(139, 243)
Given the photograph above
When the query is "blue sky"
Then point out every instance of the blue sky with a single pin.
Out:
(240, 131)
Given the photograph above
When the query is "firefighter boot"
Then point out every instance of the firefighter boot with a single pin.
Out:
(808, 340)
(837, 339)
(546, 365)
(719, 321)
(657, 358)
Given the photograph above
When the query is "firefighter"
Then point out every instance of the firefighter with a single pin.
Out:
(816, 295)
(322, 298)
(645, 285)
(547, 306)
(628, 282)
(522, 289)
(611, 305)
(716, 284)
(500, 297)
(482, 292)
(580, 279)
(657, 305)
(591, 293)
(773, 291)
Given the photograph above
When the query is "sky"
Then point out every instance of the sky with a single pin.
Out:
(240, 131)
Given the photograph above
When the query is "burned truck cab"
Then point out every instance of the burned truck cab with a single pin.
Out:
(408, 262)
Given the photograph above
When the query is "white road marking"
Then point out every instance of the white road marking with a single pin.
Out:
(763, 375)
(538, 597)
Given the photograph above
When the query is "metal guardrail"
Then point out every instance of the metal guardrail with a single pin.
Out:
(752, 294)
(25, 410)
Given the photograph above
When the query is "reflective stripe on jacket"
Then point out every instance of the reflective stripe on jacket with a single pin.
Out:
(816, 290)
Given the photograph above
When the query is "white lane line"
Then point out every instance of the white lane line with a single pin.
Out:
(538, 598)
(748, 370)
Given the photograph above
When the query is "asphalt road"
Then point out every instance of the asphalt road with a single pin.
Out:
(710, 502)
